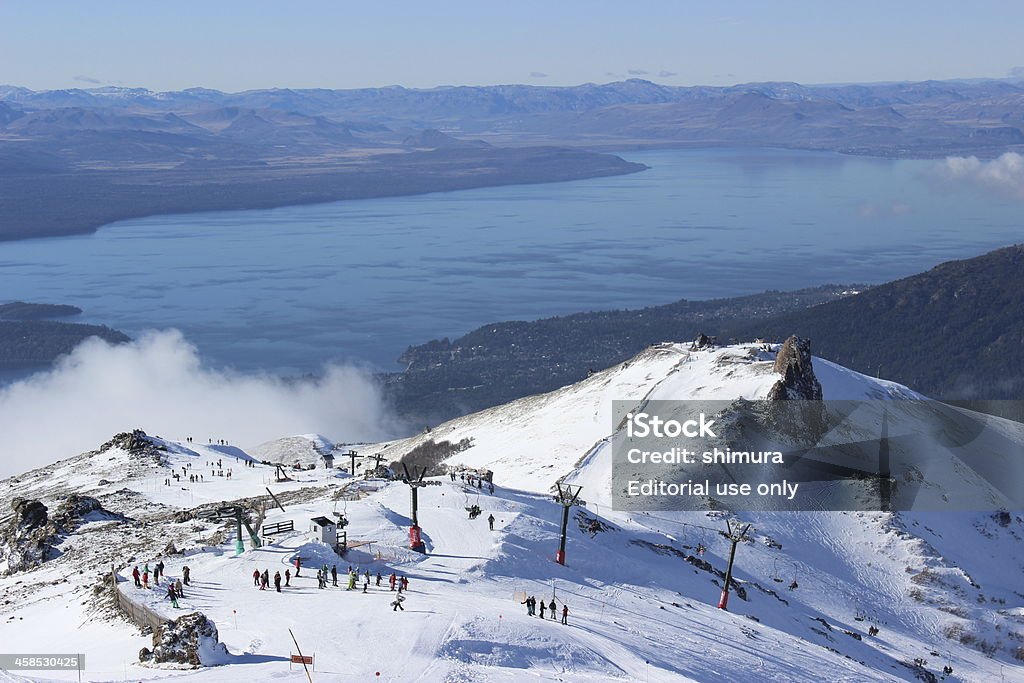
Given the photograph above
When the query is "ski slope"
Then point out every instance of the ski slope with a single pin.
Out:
(942, 588)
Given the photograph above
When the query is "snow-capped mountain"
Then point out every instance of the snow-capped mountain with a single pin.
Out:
(858, 596)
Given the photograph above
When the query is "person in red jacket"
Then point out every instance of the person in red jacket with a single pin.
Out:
(135, 575)
(298, 564)
(256, 577)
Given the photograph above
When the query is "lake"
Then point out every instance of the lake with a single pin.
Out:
(288, 289)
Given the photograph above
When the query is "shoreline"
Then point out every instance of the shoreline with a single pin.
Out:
(89, 201)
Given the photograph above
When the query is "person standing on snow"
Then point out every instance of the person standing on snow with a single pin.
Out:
(554, 610)
(351, 580)
(298, 564)
(172, 595)
(405, 583)
(145, 576)
(178, 588)
(256, 577)
(490, 522)
(392, 579)
(565, 614)
(287, 578)
(542, 608)
(379, 577)
(277, 581)
(185, 571)
(136, 574)
(334, 574)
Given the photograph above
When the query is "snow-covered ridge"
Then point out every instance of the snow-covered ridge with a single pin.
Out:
(536, 441)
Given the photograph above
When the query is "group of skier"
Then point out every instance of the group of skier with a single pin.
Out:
(262, 579)
(329, 576)
(469, 478)
(531, 609)
(175, 587)
(141, 578)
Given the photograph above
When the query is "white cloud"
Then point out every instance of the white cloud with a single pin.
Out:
(1004, 175)
(159, 384)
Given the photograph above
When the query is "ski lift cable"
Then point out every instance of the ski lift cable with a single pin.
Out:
(675, 521)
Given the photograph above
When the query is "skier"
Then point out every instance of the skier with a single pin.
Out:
(542, 608)
(256, 577)
(367, 575)
(405, 583)
(287, 578)
(277, 581)
(392, 579)
(490, 522)
(298, 564)
(185, 571)
(397, 603)
(379, 577)
(135, 575)
(265, 580)
(172, 595)
(553, 608)
(527, 603)
(334, 574)
(565, 614)
(351, 580)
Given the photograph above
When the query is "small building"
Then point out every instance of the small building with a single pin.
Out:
(325, 530)
(328, 459)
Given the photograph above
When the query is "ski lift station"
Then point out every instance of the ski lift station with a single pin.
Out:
(324, 530)
(328, 459)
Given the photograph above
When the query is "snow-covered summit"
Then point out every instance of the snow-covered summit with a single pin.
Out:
(538, 440)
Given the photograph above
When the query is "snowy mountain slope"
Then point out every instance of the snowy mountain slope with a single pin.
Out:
(304, 450)
(538, 440)
(641, 595)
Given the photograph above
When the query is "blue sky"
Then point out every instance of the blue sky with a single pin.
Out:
(234, 45)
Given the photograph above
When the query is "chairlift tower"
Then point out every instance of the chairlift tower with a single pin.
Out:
(415, 538)
(235, 512)
(735, 535)
(568, 496)
(352, 455)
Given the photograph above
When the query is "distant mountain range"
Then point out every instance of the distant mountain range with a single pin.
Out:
(73, 160)
(888, 119)
(953, 332)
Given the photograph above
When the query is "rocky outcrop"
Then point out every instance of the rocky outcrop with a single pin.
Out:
(136, 442)
(27, 541)
(702, 341)
(32, 536)
(798, 382)
(190, 640)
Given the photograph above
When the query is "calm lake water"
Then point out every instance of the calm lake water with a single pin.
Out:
(288, 289)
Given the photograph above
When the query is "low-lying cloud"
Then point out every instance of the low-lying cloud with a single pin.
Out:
(1004, 174)
(158, 383)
